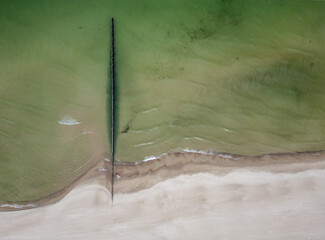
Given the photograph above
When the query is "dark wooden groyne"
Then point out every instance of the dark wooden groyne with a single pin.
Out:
(113, 107)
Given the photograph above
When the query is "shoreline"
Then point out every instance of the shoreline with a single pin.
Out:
(146, 174)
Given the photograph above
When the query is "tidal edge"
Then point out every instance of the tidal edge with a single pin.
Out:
(132, 177)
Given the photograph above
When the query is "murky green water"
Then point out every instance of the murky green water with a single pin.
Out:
(228, 76)
(243, 77)
(53, 75)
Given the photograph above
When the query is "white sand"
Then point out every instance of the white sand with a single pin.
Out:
(239, 205)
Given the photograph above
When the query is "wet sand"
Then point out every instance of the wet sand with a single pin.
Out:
(187, 196)
(133, 177)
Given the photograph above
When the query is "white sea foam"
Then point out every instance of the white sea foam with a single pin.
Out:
(17, 206)
(86, 132)
(198, 151)
(299, 51)
(143, 144)
(148, 130)
(139, 131)
(195, 138)
(227, 130)
(68, 120)
(225, 155)
(150, 110)
(150, 158)
(188, 150)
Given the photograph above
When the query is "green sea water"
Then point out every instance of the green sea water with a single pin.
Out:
(242, 77)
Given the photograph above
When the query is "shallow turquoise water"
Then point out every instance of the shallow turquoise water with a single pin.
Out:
(242, 77)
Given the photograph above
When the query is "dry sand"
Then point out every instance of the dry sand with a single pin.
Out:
(188, 196)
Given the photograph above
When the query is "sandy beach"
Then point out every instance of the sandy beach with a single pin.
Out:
(166, 95)
(187, 196)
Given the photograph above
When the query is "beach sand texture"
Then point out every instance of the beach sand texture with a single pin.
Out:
(283, 201)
